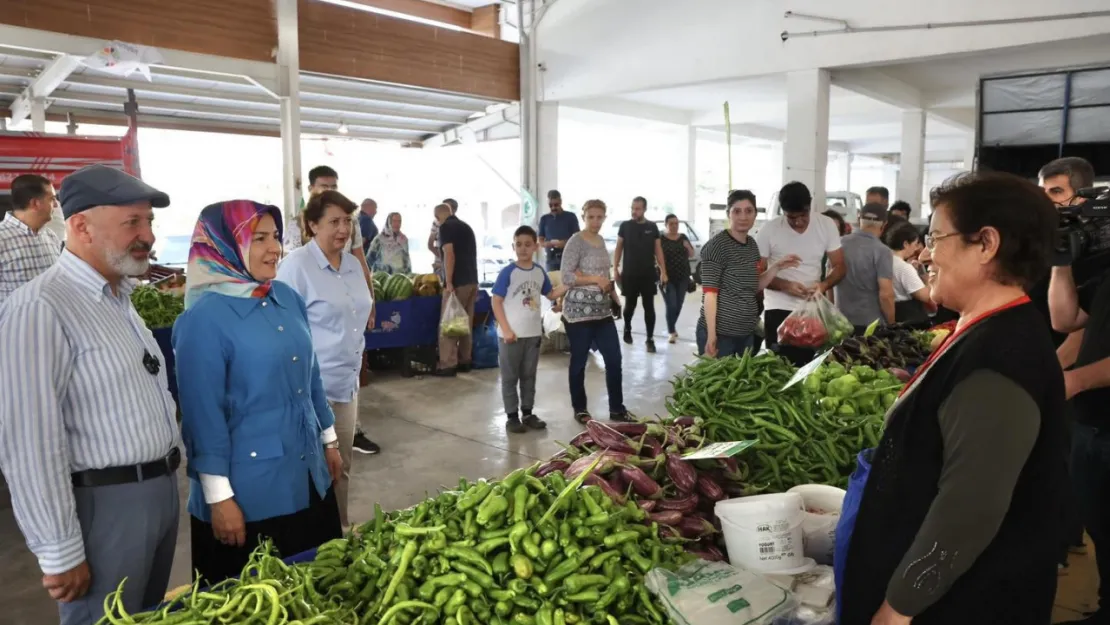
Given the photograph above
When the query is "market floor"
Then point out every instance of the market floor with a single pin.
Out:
(432, 431)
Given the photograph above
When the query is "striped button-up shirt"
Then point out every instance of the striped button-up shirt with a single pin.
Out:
(24, 253)
(76, 396)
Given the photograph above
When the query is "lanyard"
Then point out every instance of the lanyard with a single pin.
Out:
(951, 339)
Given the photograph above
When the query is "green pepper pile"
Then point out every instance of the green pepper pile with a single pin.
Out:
(158, 309)
(807, 434)
(522, 551)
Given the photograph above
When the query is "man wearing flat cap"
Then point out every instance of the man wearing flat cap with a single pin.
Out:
(88, 432)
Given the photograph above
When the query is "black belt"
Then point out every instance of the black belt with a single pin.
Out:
(112, 476)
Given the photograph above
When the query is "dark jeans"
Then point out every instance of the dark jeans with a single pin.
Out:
(772, 319)
(634, 287)
(603, 334)
(1090, 473)
(726, 345)
(674, 296)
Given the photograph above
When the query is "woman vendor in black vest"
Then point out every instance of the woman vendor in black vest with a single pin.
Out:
(959, 519)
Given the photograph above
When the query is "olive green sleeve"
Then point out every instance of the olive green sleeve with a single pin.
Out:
(989, 425)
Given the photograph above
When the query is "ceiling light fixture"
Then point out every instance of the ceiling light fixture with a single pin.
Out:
(343, 128)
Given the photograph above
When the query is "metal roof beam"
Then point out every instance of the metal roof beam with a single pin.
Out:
(510, 115)
(43, 85)
(230, 111)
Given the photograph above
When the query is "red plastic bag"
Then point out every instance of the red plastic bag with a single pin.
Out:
(816, 324)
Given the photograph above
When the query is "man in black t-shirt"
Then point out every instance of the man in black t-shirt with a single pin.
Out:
(1087, 308)
(639, 246)
(460, 270)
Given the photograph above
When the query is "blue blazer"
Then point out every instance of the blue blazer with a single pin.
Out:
(252, 403)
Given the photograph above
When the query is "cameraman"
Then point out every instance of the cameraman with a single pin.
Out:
(1086, 309)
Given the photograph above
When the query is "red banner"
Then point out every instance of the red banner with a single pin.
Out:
(56, 156)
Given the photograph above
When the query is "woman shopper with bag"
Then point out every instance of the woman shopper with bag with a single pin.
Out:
(959, 520)
(589, 309)
(338, 302)
(677, 252)
(259, 433)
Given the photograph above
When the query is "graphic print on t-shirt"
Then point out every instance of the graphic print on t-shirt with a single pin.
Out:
(521, 290)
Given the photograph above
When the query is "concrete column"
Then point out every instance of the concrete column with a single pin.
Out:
(38, 114)
(969, 152)
(911, 170)
(547, 154)
(806, 149)
(691, 173)
(289, 84)
(839, 174)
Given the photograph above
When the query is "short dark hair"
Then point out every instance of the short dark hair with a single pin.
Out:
(1079, 171)
(841, 225)
(739, 195)
(882, 192)
(453, 204)
(26, 188)
(641, 199)
(669, 217)
(525, 231)
(319, 203)
(321, 171)
(899, 233)
(794, 197)
(554, 195)
(901, 205)
(1019, 210)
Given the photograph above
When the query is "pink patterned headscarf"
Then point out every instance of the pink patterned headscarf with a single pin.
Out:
(220, 249)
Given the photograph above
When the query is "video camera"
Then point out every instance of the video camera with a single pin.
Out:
(1084, 229)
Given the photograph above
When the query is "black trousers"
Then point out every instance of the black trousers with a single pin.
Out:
(1090, 474)
(639, 287)
(772, 319)
(291, 534)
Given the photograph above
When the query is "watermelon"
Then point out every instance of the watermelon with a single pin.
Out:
(397, 287)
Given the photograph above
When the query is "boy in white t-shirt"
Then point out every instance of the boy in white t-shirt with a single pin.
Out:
(516, 305)
(811, 238)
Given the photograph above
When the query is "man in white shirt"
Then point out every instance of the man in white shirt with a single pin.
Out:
(27, 246)
(811, 238)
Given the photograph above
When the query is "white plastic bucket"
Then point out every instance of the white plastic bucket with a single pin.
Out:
(822, 512)
(763, 533)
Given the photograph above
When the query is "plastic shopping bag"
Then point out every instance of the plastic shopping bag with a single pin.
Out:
(816, 324)
(715, 593)
(454, 324)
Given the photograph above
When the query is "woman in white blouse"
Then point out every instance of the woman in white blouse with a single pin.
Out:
(912, 303)
(339, 302)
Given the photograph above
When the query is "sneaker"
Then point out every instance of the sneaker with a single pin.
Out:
(515, 427)
(628, 336)
(623, 417)
(445, 373)
(674, 338)
(364, 445)
(533, 422)
(651, 346)
(582, 417)
(464, 368)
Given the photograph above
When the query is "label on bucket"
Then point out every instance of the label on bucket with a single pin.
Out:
(719, 450)
(776, 543)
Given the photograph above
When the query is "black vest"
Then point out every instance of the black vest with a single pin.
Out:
(1013, 581)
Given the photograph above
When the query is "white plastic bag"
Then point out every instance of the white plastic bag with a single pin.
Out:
(553, 323)
(454, 324)
(123, 59)
(715, 593)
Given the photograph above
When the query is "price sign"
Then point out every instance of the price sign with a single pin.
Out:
(805, 371)
(719, 450)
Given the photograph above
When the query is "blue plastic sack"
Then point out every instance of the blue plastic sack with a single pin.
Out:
(484, 355)
(847, 524)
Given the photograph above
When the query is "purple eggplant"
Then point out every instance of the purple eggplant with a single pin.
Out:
(708, 487)
(684, 421)
(594, 480)
(609, 459)
(652, 447)
(666, 517)
(684, 476)
(647, 505)
(608, 438)
(551, 466)
(685, 504)
(641, 482)
(667, 532)
(629, 429)
(581, 440)
(695, 527)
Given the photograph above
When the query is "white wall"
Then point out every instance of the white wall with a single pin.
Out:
(591, 48)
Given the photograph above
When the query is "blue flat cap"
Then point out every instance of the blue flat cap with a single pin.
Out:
(100, 185)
